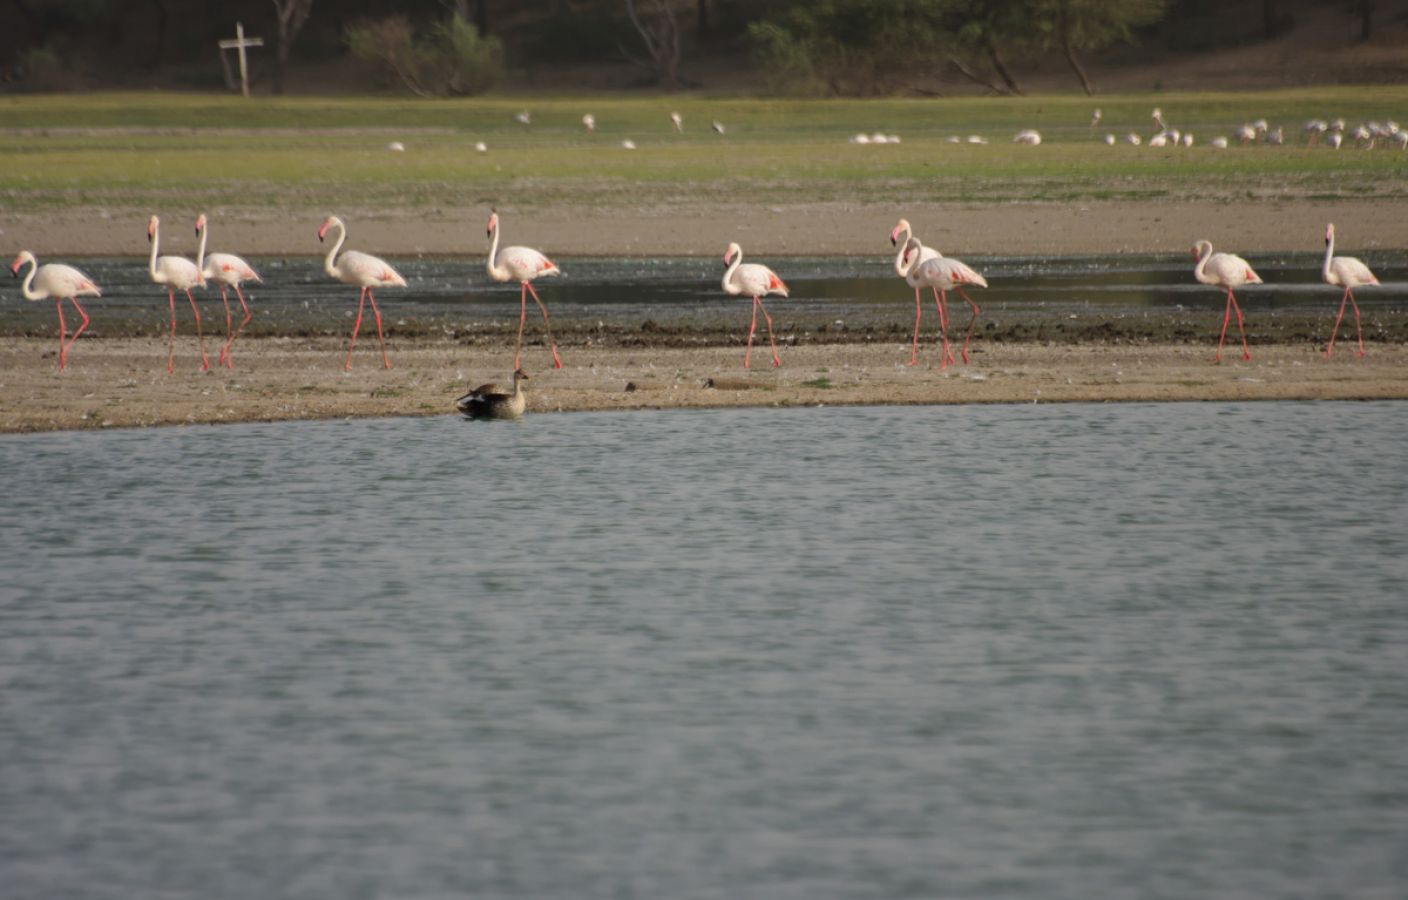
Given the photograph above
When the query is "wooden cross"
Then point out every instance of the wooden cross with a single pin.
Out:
(239, 44)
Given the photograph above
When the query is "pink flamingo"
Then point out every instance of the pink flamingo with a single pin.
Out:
(226, 270)
(907, 260)
(755, 281)
(58, 281)
(1349, 272)
(1225, 270)
(521, 264)
(942, 275)
(365, 271)
(177, 273)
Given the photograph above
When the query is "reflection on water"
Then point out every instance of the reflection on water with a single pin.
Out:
(1085, 651)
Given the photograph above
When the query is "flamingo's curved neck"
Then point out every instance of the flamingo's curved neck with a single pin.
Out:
(328, 263)
(26, 286)
(1200, 271)
(901, 267)
(728, 273)
(151, 264)
(200, 254)
(1329, 253)
(496, 271)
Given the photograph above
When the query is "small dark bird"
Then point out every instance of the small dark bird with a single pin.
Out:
(489, 401)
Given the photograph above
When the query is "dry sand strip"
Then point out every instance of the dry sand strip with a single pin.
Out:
(122, 382)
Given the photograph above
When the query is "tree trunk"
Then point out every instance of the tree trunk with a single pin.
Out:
(974, 77)
(163, 18)
(291, 16)
(1366, 19)
(1079, 69)
(1002, 70)
(702, 25)
(481, 17)
(1270, 20)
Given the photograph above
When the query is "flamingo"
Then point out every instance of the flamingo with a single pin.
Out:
(677, 122)
(942, 275)
(1225, 270)
(58, 281)
(1349, 272)
(177, 273)
(911, 254)
(757, 281)
(1314, 130)
(521, 264)
(228, 271)
(489, 401)
(589, 122)
(1095, 118)
(366, 272)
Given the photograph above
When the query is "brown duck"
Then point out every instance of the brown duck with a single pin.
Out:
(489, 401)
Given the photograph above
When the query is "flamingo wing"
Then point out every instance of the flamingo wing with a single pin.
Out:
(525, 263)
(368, 271)
(59, 280)
(1350, 271)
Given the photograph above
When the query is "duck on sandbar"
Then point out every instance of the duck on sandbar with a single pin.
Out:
(489, 401)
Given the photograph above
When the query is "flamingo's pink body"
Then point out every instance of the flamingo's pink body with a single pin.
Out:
(226, 270)
(60, 282)
(752, 280)
(366, 272)
(178, 274)
(941, 274)
(523, 265)
(1349, 273)
(907, 260)
(1230, 271)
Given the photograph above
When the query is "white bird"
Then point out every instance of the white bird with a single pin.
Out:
(1277, 137)
(1244, 134)
(1229, 271)
(1158, 117)
(396, 147)
(481, 146)
(977, 139)
(1133, 139)
(628, 144)
(1400, 139)
(677, 122)
(718, 127)
(894, 139)
(60, 282)
(521, 264)
(1363, 137)
(523, 118)
(1029, 136)
(1110, 140)
(755, 281)
(589, 122)
(1095, 118)
(1186, 140)
(366, 272)
(1334, 139)
(907, 260)
(177, 273)
(878, 138)
(1260, 126)
(489, 401)
(1349, 273)
(1159, 140)
(1219, 142)
(1314, 130)
(860, 139)
(953, 139)
(226, 270)
(942, 275)
(1337, 124)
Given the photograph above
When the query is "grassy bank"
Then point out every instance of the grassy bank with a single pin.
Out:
(150, 149)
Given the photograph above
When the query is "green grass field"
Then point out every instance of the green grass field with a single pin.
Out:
(152, 149)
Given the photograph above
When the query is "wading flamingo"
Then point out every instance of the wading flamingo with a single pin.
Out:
(226, 270)
(941, 275)
(365, 271)
(755, 281)
(177, 273)
(521, 264)
(907, 260)
(1225, 270)
(60, 282)
(1348, 272)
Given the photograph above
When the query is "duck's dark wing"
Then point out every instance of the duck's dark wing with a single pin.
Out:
(481, 398)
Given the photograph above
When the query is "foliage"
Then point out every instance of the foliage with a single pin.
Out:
(43, 69)
(453, 59)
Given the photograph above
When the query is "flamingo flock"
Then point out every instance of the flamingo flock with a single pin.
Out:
(922, 267)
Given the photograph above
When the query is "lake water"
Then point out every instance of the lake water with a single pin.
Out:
(1015, 652)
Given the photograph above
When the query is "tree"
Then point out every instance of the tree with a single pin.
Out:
(660, 32)
(1076, 26)
(1366, 19)
(292, 14)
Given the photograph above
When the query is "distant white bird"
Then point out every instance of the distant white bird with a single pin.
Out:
(1110, 139)
(628, 144)
(1314, 130)
(1029, 136)
(60, 282)
(953, 139)
(1225, 270)
(1158, 117)
(1260, 126)
(1334, 139)
(1133, 139)
(1337, 124)
(860, 139)
(677, 122)
(1095, 118)
(878, 138)
(1219, 142)
(1186, 140)
(718, 127)
(481, 146)
(1363, 137)
(894, 139)
(366, 272)
(396, 147)
(1159, 140)
(755, 281)
(589, 122)
(1350, 273)
(1400, 140)
(1245, 134)
(523, 118)
(178, 274)
(977, 139)
(1276, 137)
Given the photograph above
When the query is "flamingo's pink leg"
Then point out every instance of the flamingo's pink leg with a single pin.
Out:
(971, 322)
(229, 328)
(946, 354)
(522, 317)
(376, 314)
(204, 362)
(59, 303)
(1357, 327)
(1226, 317)
(556, 361)
(914, 347)
(356, 326)
(171, 343)
(1246, 353)
(1334, 331)
(74, 339)
(752, 329)
(776, 361)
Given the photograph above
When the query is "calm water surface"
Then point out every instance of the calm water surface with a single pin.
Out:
(1077, 651)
